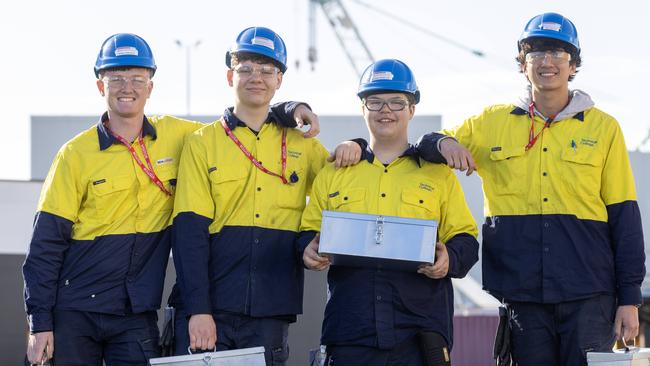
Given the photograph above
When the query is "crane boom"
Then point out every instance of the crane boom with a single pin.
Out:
(346, 32)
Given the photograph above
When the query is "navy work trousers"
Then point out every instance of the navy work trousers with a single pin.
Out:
(406, 353)
(239, 331)
(88, 339)
(562, 334)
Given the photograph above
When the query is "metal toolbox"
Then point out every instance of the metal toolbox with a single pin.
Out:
(237, 357)
(362, 240)
(634, 357)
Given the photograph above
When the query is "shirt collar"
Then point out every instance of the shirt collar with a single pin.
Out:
(106, 139)
(522, 112)
(233, 121)
(410, 152)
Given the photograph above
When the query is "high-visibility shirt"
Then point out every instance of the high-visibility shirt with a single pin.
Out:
(100, 241)
(235, 225)
(562, 221)
(381, 308)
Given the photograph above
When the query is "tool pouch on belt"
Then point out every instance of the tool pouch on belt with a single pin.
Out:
(168, 334)
(501, 352)
(434, 348)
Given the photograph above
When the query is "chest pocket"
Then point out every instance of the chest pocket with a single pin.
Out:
(227, 184)
(167, 176)
(420, 204)
(348, 200)
(292, 195)
(581, 170)
(508, 170)
(111, 195)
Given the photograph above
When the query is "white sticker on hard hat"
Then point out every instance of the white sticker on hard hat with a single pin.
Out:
(382, 75)
(551, 26)
(126, 51)
(263, 42)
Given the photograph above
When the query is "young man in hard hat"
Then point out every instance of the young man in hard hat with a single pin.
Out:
(378, 316)
(562, 241)
(96, 264)
(242, 186)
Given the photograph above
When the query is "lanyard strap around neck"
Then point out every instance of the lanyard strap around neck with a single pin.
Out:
(252, 158)
(148, 170)
(532, 138)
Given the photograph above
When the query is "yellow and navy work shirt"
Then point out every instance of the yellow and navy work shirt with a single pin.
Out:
(382, 308)
(562, 221)
(100, 242)
(235, 226)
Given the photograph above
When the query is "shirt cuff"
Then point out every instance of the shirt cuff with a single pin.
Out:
(442, 139)
(40, 322)
(629, 296)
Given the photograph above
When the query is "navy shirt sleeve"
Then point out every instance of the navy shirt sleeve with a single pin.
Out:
(427, 146)
(624, 220)
(50, 241)
(191, 250)
(463, 254)
(283, 113)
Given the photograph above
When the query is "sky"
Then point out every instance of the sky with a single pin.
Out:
(49, 49)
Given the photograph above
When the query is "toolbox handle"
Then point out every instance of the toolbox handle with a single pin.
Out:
(189, 350)
(629, 349)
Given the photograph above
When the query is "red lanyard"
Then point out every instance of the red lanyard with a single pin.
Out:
(252, 158)
(148, 171)
(532, 138)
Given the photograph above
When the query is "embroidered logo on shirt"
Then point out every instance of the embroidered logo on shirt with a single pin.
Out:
(588, 142)
(99, 182)
(496, 148)
(212, 169)
(293, 154)
(164, 161)
(332, 195)
(426, 187)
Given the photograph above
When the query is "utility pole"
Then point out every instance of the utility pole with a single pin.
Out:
(188, 66)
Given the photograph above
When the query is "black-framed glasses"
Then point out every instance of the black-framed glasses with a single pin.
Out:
(376, 104)
(119, 82)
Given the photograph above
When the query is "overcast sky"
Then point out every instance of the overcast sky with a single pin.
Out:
(49, 49)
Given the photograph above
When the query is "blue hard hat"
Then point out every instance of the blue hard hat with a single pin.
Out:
(388, 75)
(261, 41)
(125, 50)
(551, 25)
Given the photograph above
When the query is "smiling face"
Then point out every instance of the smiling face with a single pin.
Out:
(387, 123)
(549, 64)
(548, 70)
(126, 91)
(255, 82)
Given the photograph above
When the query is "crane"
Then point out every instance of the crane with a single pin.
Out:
(345, 30)
(349, 37)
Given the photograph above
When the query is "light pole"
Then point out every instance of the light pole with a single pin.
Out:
(188, 66)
